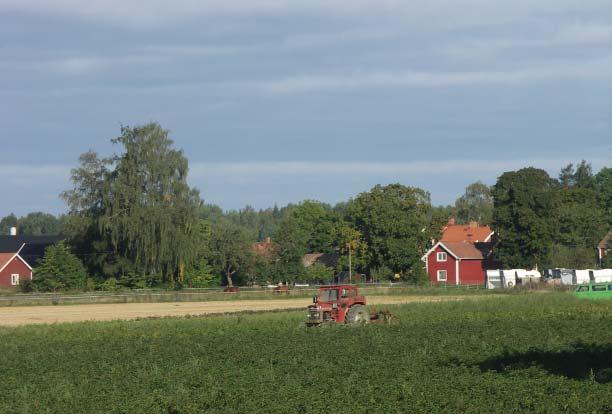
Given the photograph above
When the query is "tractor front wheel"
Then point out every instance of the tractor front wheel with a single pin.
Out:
(358, 314)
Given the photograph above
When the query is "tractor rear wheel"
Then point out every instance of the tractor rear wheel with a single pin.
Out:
(358, 314)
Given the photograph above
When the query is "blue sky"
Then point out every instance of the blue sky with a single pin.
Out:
(276, 101)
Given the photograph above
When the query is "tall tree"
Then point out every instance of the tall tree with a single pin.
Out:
(230, 251)
(525, 203)
(137, 203)
(394, 223)
(476, 204)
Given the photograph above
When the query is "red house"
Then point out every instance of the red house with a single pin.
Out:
(13, 269)
(455, 263)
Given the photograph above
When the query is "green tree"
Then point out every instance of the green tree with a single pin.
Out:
(603, 187)
(136, 204)
(525, 203)
(230, 251)
(351, 239)
(40, 224)
(394, 221)
(574, 257)
(292, 240)
(475, 205)
(59, 269)
(318, 222)
(7, 222)
(317, 273)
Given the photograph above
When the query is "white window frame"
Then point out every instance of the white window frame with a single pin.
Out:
(442, 255)
(440, 272)
(15, 279)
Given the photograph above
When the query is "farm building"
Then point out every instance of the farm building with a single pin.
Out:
(13, 269)
(457, 263)
(19, 254)
(603, 248)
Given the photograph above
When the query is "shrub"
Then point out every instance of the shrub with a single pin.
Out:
(59, 270)
(26, 286)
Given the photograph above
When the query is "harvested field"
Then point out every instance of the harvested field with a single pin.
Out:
(25, 315)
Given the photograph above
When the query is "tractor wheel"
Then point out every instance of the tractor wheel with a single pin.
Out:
(358, 314)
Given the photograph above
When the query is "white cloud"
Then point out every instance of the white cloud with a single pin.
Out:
(253, 171)
(596, 69)
(424, 13)
(575, 36)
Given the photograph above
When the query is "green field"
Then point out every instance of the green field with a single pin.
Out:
(518, 353)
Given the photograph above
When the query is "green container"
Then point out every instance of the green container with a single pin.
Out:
(594, 291)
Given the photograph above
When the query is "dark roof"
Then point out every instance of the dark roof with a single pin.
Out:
(605, 242)
(463, 250)
(33, 246)
(326, 259)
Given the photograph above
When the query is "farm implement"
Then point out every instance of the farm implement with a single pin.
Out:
(342, 304)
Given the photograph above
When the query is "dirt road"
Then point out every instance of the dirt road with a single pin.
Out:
(25, 315)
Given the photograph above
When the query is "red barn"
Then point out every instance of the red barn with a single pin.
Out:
(13, 269)
(456, 263)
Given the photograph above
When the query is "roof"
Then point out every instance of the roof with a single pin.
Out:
(605, 242)
(326, 259)
(31, 248)
(466, 233)
(6, 258)
(462, 250)
(265, 248)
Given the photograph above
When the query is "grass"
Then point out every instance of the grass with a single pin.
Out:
(527, 353)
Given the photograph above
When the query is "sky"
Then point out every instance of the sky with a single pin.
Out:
(277, 101)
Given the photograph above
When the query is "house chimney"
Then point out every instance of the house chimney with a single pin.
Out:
(473, 224)
(268, 240)
(451, 221)
(13, 231)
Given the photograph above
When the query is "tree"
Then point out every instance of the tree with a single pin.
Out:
(603, 187)
(318, 222)
(525, 203)
(394, 222)
(292, 239)
(59, 270)
(581, 176)
(40, 224)
(350, 240)
(136, 204)
(7, 222)
(230, 251)
(475, 205)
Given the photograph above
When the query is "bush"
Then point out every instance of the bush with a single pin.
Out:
(110, 285)
(26, 286)
(59, 270)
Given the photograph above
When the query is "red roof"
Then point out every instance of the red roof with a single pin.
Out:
(472, 233)
(5, 259)
(463, 250)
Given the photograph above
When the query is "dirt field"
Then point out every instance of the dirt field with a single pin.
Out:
(25, 315)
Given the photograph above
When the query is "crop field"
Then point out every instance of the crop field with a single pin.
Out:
(523, 353)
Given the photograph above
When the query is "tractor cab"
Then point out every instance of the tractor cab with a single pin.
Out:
(339, 304)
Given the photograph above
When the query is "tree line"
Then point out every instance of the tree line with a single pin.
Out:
(134, 222)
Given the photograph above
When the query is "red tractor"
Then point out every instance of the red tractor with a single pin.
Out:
(342, 304)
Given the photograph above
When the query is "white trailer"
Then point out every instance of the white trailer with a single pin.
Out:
(495, 279)
(602, 276)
